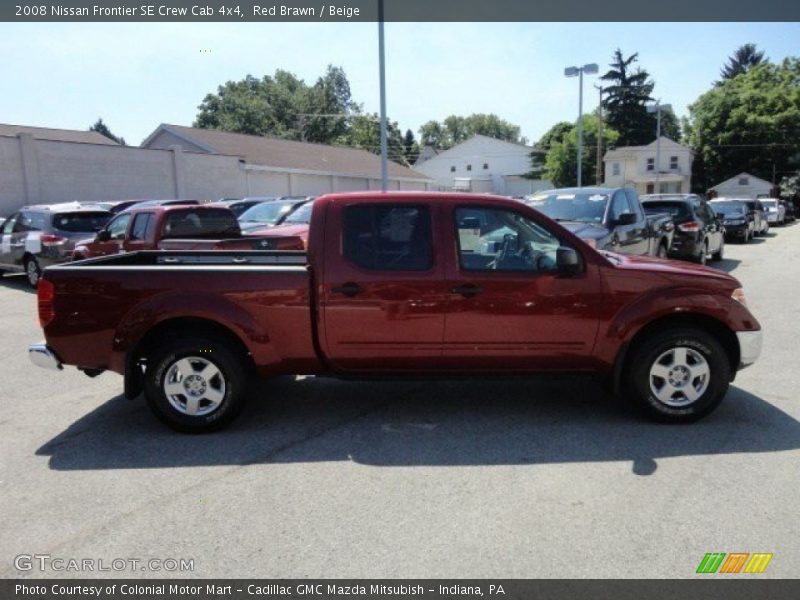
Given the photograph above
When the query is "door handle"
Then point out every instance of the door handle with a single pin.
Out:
(348, 289)
(468, 290)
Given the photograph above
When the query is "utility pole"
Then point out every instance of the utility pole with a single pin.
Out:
(599, 171)
(382, 68)
(657, 108)
(589, 69)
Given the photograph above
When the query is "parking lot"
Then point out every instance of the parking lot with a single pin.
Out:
(324, 478)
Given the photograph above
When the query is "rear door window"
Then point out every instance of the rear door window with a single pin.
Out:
(388, 237)
(141, 227)
(30, 221)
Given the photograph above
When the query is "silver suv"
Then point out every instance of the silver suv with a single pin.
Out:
(37, 236)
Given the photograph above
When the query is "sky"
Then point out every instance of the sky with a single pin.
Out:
(136, 76)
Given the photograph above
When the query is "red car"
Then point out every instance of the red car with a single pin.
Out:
(179, 227)
(294, 226)
(400, 284)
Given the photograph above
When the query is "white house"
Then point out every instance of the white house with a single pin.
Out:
(483, 164)
(635, 166)
(744, 185)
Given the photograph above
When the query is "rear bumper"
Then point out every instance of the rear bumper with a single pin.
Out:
(773, 217)
(749, 347)
(42, 356)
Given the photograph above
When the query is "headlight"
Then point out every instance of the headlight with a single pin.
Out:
(738, 295)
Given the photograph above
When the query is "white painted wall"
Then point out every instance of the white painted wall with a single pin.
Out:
(627, 167)
(734, 188)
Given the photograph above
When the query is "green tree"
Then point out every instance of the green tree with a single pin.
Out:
(744, 58)
(410, 147)
(626, 96)
(102, 128)
(561, 162)
(748, 123)
(555, 134)
(455, 129)
(364, 132)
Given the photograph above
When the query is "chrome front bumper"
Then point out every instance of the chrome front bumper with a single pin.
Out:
(749, 347)
(42, 356)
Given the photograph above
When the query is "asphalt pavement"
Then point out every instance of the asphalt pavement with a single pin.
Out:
(324, 478)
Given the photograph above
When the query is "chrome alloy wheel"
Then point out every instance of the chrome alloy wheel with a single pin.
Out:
(679, 376)
(194, 386)
(32, 271)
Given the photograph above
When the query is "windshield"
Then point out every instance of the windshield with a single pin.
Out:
(301, 215)
(266, 212)
(578, 206)
(195, 223)
(239, 208)
(80, 222)
(729, 209)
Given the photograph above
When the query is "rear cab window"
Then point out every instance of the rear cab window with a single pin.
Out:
(199, 223)
(386, 237)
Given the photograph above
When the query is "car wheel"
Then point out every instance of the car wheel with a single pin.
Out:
(32, 271)
(662, 251)
(195, 384)
(678, 376)
(719, 254)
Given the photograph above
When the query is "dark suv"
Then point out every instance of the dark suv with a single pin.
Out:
(739, 221)
(699, 234)
(37, 236)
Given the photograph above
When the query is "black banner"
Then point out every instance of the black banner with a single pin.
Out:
(715, 586)
(399, 10)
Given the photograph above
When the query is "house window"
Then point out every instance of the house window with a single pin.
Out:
(673, 163)
(615, 169)
(744, 181)
(453, 169)
(485, 166)
(469, 167)
(651, 187)
(651, 164)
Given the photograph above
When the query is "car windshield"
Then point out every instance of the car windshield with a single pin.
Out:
(266, 212)
(80, 222)
(675, 209)
(239, 208)
(587, 207)
(194, 223)
(301, 215)
(729, 209)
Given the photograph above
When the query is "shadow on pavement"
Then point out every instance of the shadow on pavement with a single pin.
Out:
(438, 423)
(16, 281)
(726, 264)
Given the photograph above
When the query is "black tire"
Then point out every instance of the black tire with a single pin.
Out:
(33, 272)
(229, 383)
(719, 254)
(637, 378)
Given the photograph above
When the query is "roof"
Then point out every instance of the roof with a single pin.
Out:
(289, 154)
(455, 149)
(57, 135)
(584, 190)
(753, 179)
(628, 150)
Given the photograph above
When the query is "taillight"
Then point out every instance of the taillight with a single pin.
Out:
(45, 294)
(690, 226)
(48, 239)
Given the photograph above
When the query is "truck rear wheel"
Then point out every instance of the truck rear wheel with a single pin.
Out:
(195, 384)
(678, 376)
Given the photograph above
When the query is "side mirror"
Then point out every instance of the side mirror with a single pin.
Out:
(103, 235)
(626, 219)
(568, 262)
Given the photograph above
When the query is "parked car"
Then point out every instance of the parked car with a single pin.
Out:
(295, 224)
(775, 211)
(239, 205)
(737, 219)
(608, 219)
(115, 206)
(699, 233)
(175, 227)
(754, 208)
(169, 202)
(269, 213)
(37, 236)
(399, 284)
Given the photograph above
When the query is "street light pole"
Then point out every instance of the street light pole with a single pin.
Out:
(599, 166)
(589, 69)
(382, 68)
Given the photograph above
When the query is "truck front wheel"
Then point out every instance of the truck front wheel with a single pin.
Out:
(678, 376)
(195, 384)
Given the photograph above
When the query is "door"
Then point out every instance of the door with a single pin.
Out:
(141, 233)
(382, 297)
(6, 240)
(509, 308)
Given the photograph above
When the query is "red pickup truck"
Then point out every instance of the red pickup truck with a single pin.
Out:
(398, 284)
(178, 227)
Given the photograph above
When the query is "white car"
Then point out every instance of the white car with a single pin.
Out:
(774, 210)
